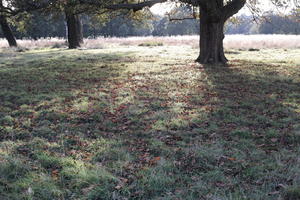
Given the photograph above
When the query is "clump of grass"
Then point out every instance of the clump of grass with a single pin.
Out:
(52, 162)
(38, 186)
(20, 49)
(95, 182)
(12, 168)
(292, 193)
(157, 181)
(253, 49)
(59, 45)
(6, 120)
(151, 44)
(44, 132)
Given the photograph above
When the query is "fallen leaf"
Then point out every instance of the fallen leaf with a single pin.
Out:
(274, 139)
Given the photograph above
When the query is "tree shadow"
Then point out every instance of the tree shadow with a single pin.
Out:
(32, 78)
(257, 103)
(233, 124)
(196, 124)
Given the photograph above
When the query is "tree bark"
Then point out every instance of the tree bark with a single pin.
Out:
(213, 15)
(75, 36)
(211, 40)
(7, 32)
(79, 29)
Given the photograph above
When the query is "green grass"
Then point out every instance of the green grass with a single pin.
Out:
(151, 44)
(147, 123)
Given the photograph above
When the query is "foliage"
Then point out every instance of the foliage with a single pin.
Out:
(29, 26)
(48, 22)
(36, 25)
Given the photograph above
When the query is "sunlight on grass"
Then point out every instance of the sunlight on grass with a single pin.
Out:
(145, 122)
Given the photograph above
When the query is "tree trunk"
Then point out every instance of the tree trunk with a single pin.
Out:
(7, 32)
(79, 29)
(213, 15)
(75, 37)
(211, 40)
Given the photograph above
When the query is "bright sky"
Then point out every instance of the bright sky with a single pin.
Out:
(163, 8)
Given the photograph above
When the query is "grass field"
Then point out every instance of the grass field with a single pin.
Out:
(239, 42)
(145, 122)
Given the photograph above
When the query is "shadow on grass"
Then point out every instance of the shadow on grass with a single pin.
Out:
(32, 78)
(251, 135)
(234, 131)
(44, 101)
(82, 128)
(257, 103)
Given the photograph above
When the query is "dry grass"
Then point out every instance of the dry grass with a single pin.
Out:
(231, 42)
(34, 44)
(262, 41)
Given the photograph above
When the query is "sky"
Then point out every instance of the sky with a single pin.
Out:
(162, 9)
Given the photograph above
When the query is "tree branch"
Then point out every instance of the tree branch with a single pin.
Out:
(232, 8)
(194, 2)
(126, 6)
(25, 6)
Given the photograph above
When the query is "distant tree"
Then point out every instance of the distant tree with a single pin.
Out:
(160, 27)
(36, 25)
(123, 24)
(279, 24)
(240, 25)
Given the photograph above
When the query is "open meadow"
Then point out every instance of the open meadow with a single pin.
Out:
(137, 118)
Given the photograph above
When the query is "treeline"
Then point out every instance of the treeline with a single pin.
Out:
(270, 24)
(36, 25)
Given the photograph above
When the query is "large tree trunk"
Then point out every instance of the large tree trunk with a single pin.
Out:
(7, 32)
(213, 15)
(211, 40)
(75, 36)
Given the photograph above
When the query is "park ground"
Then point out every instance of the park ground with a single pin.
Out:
(143, 121)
